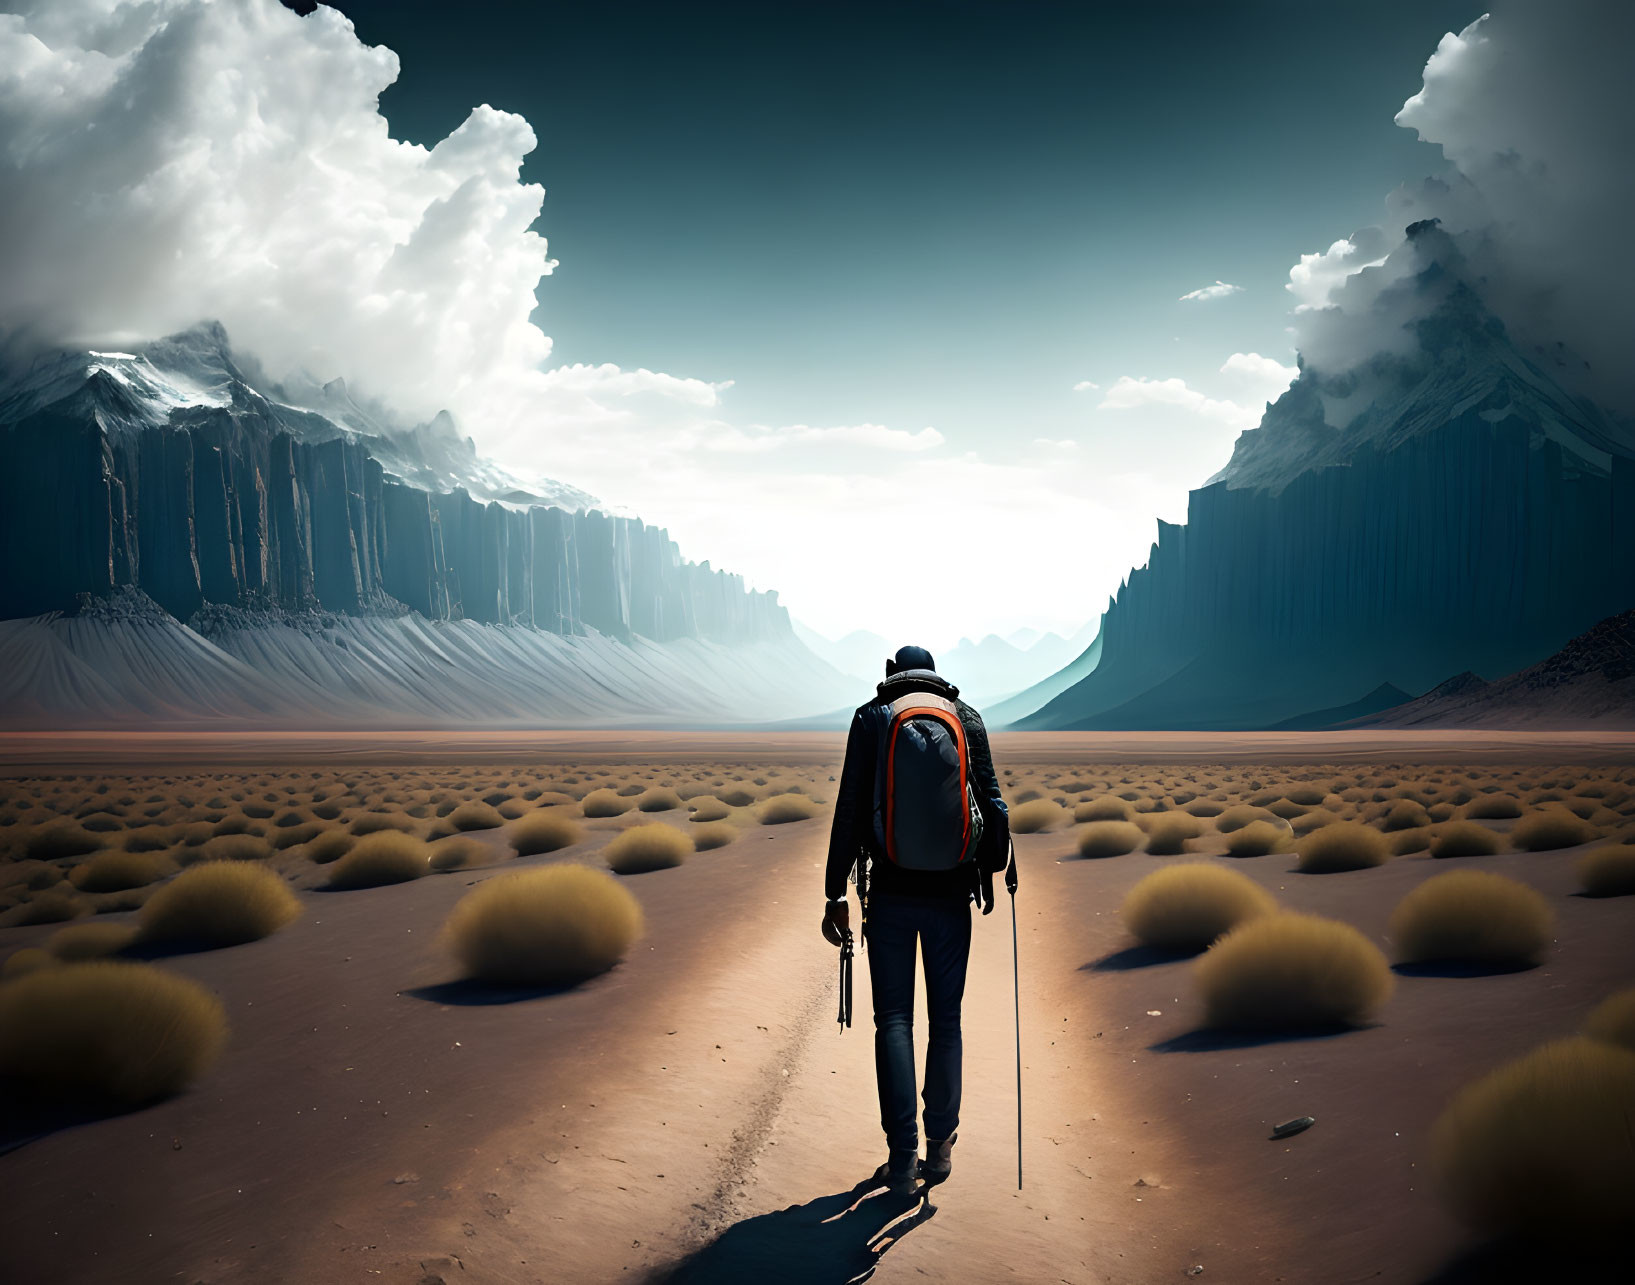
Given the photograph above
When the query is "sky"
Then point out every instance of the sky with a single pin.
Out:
(919, 313)
(946, 221)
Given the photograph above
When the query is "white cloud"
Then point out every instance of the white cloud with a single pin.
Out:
(1532, 106)
(1217, 291)
(874, 437)
(181, 160)
(1056, 443)
(1313, 279)
(1133, 393)
(1085, 386)
(1259, 379)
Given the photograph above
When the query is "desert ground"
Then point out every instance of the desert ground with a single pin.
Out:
(694, 1112)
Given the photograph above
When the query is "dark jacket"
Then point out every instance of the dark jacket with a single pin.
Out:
(852, 834)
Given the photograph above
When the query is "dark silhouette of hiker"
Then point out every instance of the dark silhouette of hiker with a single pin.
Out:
(920, 827)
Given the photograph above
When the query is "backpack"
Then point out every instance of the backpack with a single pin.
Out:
(926, 815)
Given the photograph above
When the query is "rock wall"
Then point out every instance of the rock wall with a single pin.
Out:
(224, 507)
(1476, 547)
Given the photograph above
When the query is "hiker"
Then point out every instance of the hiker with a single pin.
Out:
(921, 828)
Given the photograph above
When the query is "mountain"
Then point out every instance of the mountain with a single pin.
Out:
(245, 512)
(860, 654)
(1450, 509)
(1589, 683)
(994, 669)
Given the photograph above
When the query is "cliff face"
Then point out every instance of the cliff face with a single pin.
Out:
(233, 499)
(1470, 516)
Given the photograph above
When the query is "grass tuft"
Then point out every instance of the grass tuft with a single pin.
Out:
(1613, 1020)
(715, 834)
(1549, 829)
(1540, 1148)
(219, 903)
(604, 803)
(648, 847)
(1345, 845)
(783, 808)
(110, 871)
(1288, 971)
(113, 1032)
(1187, 906)
(379, 859)
(1474, 916)
(544, 831)
(1168, 834)
(554, 925)
(1035, 816)
(1108, 838)
(1258, 839)
(1607, 872)
(476, 816)
(1464, 839)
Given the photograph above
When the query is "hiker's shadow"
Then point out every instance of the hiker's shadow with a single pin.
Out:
(833, 1240)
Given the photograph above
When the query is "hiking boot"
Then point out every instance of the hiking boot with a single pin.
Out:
(939, 1158)
(899, 1173)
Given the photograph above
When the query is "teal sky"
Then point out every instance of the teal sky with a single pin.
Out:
(944, 215)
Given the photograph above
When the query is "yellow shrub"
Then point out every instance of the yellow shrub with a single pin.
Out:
(1187, 906)
(1613, 1020)
(1108, 838)
(710, 809)
(559, 923)
(458, 852)
(90, 941)
(1168, 834)
(658, 800)
(1551, 828)
(475, 816)
(1464, 839)
(120, 1032)
(604, 803)
(1345, 845)
(1235, 818)
(544, 832)
(329, 846)
(1540, 1148)
(713, 835)
(648, 847)
(1288, 970)
(1106, 808)
(383, 858)
(30, 959)
(219, 903)
(60, 839)
(1257, 839)
(782, 808)
(1472, 915)
(1036, 815)
(1607, 872)
(112, 871)
(1493, 807)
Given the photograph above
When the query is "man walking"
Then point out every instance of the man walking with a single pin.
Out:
(920, 826)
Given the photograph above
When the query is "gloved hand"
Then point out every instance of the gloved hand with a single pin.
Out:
(837, 922)
(986, 887)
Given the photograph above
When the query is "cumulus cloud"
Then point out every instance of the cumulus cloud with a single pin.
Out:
(178, 160)
(1085, 386)
(1135, 392)
(1534, 108)
(1217, 291)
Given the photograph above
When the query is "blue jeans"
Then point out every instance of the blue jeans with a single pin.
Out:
(942, 927)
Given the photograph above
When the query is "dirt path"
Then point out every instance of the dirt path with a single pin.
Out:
(726, 1143)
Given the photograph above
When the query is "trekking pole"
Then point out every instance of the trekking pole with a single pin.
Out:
(1016, 984)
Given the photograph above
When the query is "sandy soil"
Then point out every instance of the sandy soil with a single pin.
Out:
(697, 1115)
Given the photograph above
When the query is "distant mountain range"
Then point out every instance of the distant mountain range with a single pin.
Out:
(1589, 683)
(1456, 509)
(186, 541)
(986, 671)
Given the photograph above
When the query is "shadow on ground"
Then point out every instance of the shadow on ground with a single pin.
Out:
(833, 1240)
(1131, 957)
(1458, 968)
(1208, 1040)
(467, 993)
(26, 1115)
(1505, 1263)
